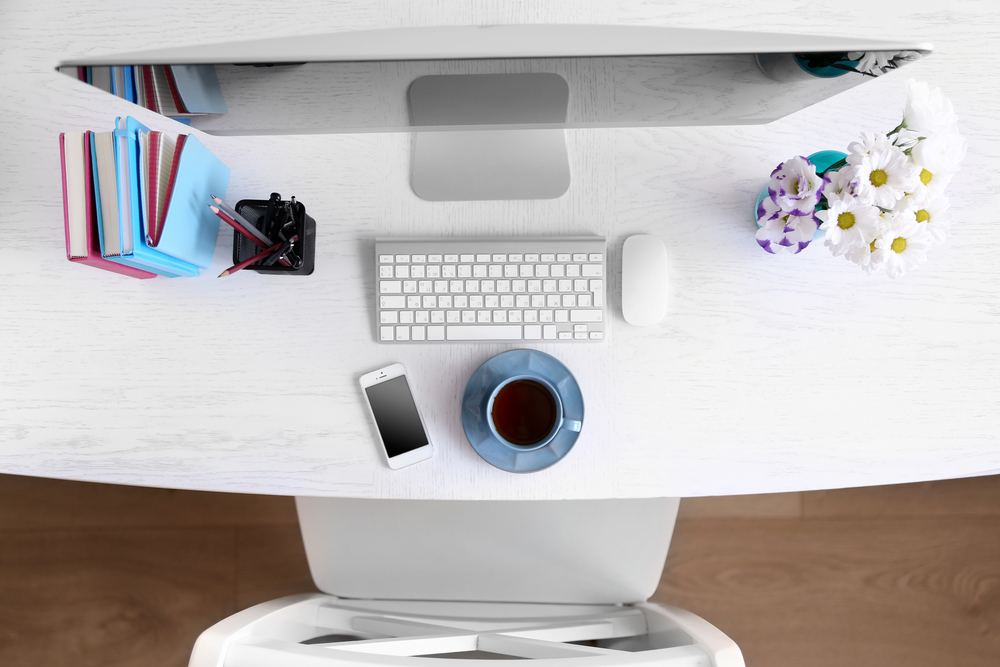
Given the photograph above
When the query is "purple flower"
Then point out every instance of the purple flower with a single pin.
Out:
(795, 187)
(780, 231)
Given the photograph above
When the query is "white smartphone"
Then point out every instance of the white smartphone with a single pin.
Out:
(397, 420)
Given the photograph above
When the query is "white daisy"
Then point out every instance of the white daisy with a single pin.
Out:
(937, 158)
(849, 224)
(841, 186)
(902, 246)
(928, 111)
(873, 62)
(884, 173)
(870, 142)
(932, 214)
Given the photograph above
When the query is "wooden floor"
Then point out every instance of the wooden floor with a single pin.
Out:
(94, 574)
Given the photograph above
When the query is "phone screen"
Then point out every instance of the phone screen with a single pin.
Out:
(396, 416)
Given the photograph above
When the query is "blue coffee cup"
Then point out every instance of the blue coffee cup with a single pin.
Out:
(537, 435)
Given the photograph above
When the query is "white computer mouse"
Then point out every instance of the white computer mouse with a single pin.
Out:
(644, 280)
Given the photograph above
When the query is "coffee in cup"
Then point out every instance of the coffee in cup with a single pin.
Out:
(524, 412)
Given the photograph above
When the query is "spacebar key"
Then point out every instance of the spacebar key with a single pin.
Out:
(485, 333)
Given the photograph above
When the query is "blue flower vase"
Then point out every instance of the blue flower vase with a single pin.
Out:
(822, 160)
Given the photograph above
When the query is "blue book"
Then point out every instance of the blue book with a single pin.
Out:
(135, 253)
(129, 84)
(198, 87)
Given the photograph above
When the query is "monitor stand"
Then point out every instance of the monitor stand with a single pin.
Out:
(483, 163)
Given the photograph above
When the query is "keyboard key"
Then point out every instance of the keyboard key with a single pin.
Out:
(392, 302)
(501, 259)
(418, 271)
(425, 286)
(406, 317)
(421, 317)
(515, 257)
(385, 259)
(488, 286)
(495, 271)
(405, 259)
(433, 271)
(429, 302)
(584, 301)
(389, 317)
(451, 258)
(469, 316)
(444, 302)
(531, 257)
(537, 301)
(413, 302)
(557, 270)
(386, 333)
(417, 333)
(479, 271)
(548, 285)
(527, 270)
(385, 272)
(437, 316)
(390, 286)
(483, 316)
(595, 257)
(572, 270)
(482, 258)
(563, 257)
(410, 286)
(490, 332)
(592, 270)
(596, 335)
(553, 301)
(441, 286)
(461, 302)
(402, 271)
(548, 331)
(569, 301)
(579, 257)
(587, 316)
(531, 316)
(448, 271)
(580, 285)
(577, 328)
(435, 333)
(580, 336)
(532, 331)
(542, 271)
(510, 271)
(565, 285)
(545, 316)
(493, 301)
(534, 286)
(521, 301)
(471, 285)
(513, 315)
(518, 286)
(464, 271)
(548, 257)
(467, 258)
(503, 286)
(565, 335)
(597, 287)
(453, 316)
(434, 259)
(499, 316)
(402, 333)
(562, 316)
(456, 286)
(476, 301)
(418, 259)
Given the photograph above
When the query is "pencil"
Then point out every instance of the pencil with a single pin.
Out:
(237, 226)
(231, 212)
(262, 254)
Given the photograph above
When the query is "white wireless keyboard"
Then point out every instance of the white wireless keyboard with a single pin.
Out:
(474, 289)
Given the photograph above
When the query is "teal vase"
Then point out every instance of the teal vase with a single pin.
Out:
(822, 160)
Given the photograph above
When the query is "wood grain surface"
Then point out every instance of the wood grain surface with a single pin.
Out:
(896, 575)
(770, 374)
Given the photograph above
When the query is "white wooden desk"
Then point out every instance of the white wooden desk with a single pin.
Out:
(769, 373)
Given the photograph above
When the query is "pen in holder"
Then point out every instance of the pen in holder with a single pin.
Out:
(278, 221)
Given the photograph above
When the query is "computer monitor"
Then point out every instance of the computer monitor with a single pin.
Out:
(488, 105)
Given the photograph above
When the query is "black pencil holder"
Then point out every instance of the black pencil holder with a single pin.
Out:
(255, 212)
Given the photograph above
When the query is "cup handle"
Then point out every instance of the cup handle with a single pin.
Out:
(572, 425)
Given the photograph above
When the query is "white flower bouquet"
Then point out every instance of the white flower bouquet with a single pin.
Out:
(883, 205)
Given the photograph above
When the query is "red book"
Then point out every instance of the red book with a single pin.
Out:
(147, 82)
(174, 93)
(161, 214)
(83, 244)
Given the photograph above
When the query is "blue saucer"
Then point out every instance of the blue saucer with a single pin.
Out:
(477, 393)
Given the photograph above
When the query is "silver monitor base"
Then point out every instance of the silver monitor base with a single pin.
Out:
(484, 164)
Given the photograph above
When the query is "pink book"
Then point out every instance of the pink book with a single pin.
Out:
(77, 190)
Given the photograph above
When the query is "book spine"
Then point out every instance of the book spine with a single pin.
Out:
(65, 193)
(152, 214)
(174, 93)
(147, 78)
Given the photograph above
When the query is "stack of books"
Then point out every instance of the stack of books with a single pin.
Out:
(134, 200)
(176, 91)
